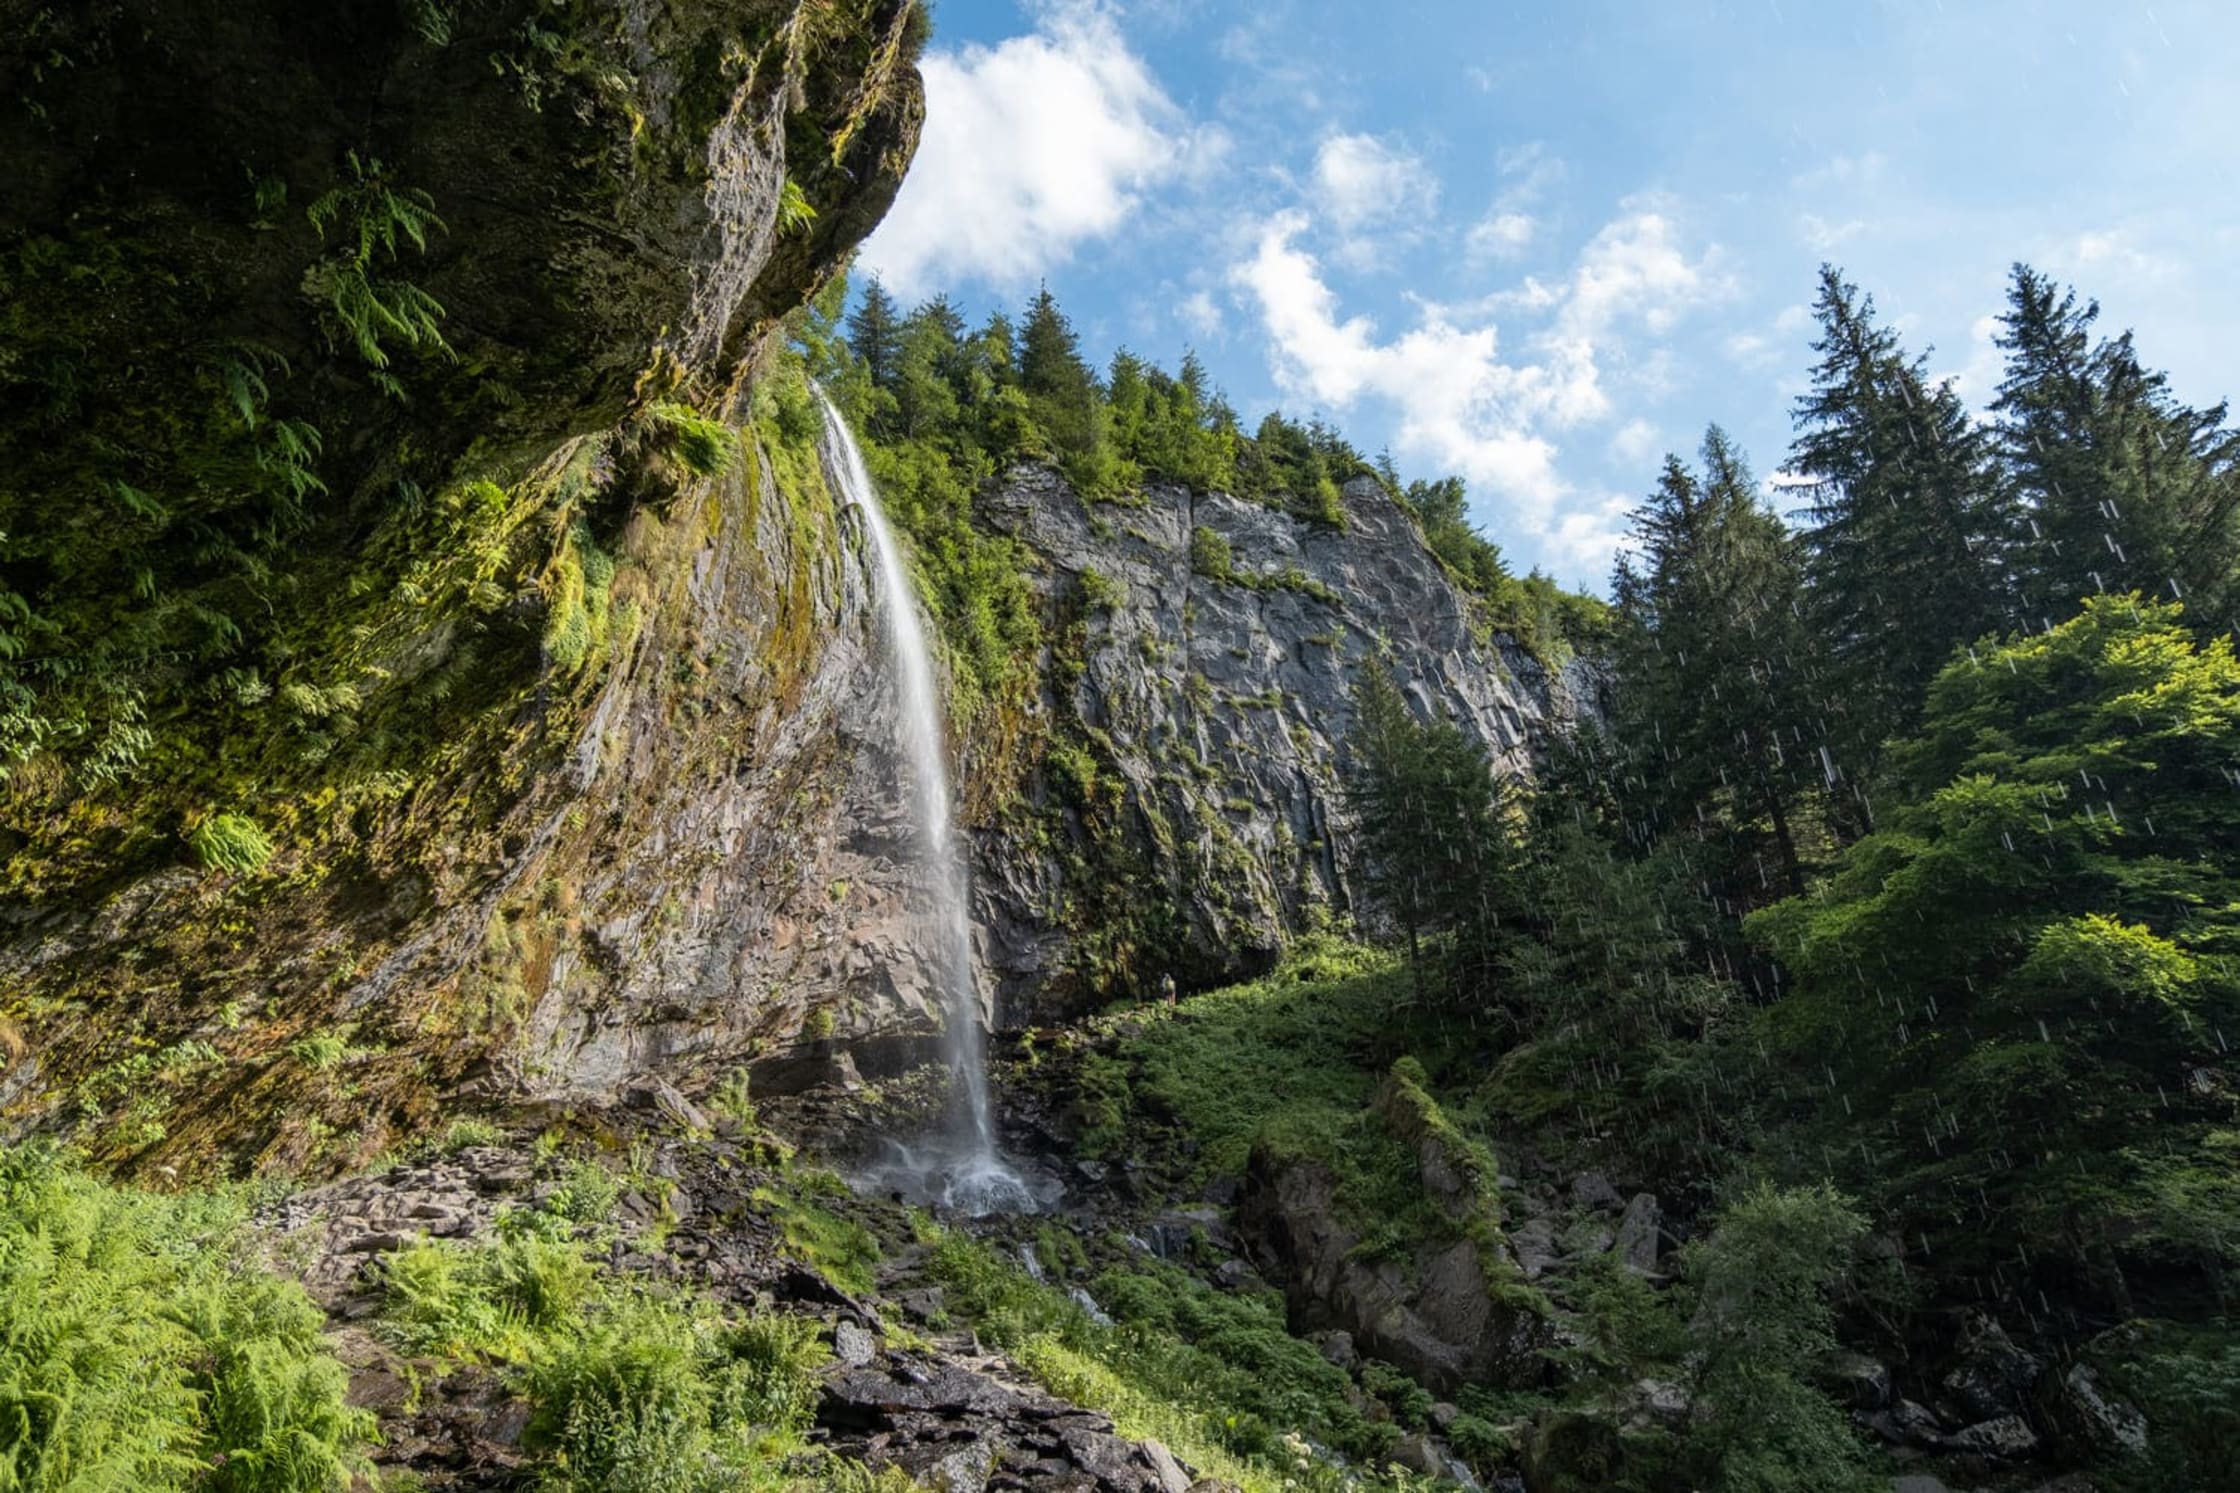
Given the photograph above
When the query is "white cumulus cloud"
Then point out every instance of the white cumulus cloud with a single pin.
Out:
(1461, 402)
(1500, 235)
(1031, 148)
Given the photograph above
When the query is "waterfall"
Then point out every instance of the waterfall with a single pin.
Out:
(963, 1168)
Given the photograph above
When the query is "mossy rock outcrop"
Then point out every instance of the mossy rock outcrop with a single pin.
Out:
(382, 584)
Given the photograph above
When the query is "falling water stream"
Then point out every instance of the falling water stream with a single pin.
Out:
(961, 1167)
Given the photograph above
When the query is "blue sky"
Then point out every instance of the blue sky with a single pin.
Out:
(1540, 245)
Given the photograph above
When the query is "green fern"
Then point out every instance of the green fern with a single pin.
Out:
(706, 447)
(321, 1052)
(230, 842)
(375, 220)
(795, 211)
(140, 1348)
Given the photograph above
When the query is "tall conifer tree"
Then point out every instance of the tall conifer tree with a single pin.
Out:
(1714, 669)
(1910, 524)
(2127, 489)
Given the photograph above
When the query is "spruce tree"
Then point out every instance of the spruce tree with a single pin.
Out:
(875, 334)
(1063, 396)
(1715, 670)
(1910, 525)
(1428, 844)
(927, 364)
(2026, 973)
(2127, 490)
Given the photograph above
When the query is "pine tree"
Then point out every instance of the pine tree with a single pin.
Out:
(1428, 844)
(1063, 396)
(875, 334)
(1909, 524)
(2026, 973)
(1715, 668)
(927, 364)
(2127, 490)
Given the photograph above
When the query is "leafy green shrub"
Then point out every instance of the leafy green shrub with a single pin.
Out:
(1099, 592)
(230, 842)
(587, 1193)
(2188, 1381)
(622, 1407)
(1210, 555)
(492, 1297)
(1211, 1374)
(844, 1250)
(652, 1396)
(139, 1349)
(733, 1099)
(1409, 1402)
(321, 1052)
(464, 1133)
(1481, 1443)
(705, 447)
(1762, 1324)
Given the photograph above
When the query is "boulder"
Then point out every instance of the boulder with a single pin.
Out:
(1640, 1233)
(952, 1467)
(2086, 1419)
(1418, 1452)
(1905, 1423)
(665, 1099)
(1534, 1244)
(1434, 1317)
(853, 1345)
(1987, 1375)
(1656, 1402)
(1172, 1478)
(1859, 1382)
(1593, 1190)
(2001, 1436)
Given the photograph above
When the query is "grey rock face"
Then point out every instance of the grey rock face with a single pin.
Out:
(1989, 1375)
(1433, 1317)
(1224, 704)
(2001, 1436)
(2087, 1416)
(1639, 1234)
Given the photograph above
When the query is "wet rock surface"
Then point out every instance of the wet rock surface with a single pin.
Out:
(941, 1409)
(1435, 1319)
(972, 1424)
(1223, 704)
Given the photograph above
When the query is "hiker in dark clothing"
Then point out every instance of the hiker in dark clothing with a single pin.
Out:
(1166, 988)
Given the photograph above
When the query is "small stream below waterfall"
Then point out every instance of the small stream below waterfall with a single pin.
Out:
(959, 1166)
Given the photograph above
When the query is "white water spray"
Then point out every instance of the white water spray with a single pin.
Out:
(961, 1169)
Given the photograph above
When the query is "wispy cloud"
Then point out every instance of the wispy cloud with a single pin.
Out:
(1511, 224)
(1376, 192)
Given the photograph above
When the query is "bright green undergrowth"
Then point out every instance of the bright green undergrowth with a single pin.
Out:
(1277, 1061)
(635, 1387)
(633, 1390)
(1214, 1377)
(142, 1348)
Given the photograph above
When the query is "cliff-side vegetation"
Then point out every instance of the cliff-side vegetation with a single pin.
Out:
(1903, 863)
(944, 408)
(142, 1346)
(314, 565)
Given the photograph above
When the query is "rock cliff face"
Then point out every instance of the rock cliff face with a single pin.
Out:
(528, 695)
(560, 707)
(1209, 713)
